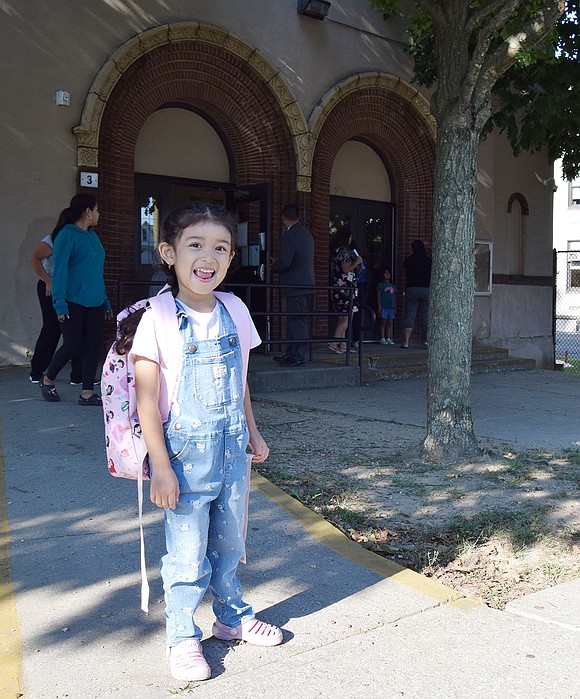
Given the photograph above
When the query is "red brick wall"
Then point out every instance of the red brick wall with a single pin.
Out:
(216, 83)
(236, 98)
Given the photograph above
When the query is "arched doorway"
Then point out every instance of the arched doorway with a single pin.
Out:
(221, 101)
(392, 121)
(361, 199)
(179, 157)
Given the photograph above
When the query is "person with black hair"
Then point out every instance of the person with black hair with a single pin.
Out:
(41, 260)
(295, 265)
(418, 278)
(344, 265)
(78, 296)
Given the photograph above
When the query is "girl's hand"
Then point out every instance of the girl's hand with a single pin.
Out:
(48, 291)
(258, 447)
(62, 317)
(164, 491)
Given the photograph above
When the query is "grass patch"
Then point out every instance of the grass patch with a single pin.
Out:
(574, 367)
(408, 486)
(345, 518)
(523, 528)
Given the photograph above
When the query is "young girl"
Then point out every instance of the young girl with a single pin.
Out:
(197, 451)
(386, 293)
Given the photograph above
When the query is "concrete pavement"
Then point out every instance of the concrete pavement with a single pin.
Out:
(355, 625)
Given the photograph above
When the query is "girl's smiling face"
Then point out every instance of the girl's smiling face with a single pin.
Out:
(201, 257)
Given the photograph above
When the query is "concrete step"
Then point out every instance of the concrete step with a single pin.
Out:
(266, 376)
(477, 367)
(379, 364)
(393, 357)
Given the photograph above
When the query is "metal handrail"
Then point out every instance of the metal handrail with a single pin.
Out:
(268, 314)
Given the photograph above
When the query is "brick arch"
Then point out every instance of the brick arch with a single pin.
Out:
(389, 116)
(522, 201)
(216, 82)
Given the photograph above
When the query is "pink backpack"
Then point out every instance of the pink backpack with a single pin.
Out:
(124, 443)
(126, 450)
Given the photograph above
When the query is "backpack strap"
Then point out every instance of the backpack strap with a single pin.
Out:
(241, 317)
(166, 327)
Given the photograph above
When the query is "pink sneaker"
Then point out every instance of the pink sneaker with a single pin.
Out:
(187, 662)
(252, 631)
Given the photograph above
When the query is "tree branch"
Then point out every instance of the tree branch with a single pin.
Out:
(490, 11)
(491, 22)
(498, 61)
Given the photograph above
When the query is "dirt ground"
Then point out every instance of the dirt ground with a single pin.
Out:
(496, 528)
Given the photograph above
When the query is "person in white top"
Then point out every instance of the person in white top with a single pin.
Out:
(46, 344)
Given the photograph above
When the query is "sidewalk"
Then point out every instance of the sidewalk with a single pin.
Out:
(355, 625)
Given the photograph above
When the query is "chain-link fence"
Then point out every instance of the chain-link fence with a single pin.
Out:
(567, 310)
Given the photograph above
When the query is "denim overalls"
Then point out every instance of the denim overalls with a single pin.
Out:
(206, 437)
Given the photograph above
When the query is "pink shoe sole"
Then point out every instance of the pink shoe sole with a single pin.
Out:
(253, 631)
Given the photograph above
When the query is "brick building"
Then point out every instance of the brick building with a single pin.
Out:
(253, 105)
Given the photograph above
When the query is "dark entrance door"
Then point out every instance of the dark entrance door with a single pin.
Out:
(156, 196)
(372, 226)
(252, 203)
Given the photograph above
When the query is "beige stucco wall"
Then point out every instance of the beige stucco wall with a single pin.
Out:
(515, 316)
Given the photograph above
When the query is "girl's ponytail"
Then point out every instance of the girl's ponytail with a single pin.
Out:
(78, 205)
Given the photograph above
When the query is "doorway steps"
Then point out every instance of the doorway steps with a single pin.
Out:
(380, 363)
(398, 363)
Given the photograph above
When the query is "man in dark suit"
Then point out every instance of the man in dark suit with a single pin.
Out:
(295, 265)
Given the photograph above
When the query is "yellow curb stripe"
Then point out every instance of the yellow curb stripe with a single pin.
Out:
(10, 640)
(335, 540)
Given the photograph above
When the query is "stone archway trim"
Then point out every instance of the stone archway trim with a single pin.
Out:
(362, 81)
(88, 131)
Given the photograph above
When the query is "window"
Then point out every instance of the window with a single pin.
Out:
(149, 231)
(574, 193)
(573, 266)
(483, 267)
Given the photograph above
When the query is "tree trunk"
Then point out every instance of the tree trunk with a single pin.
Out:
(450, 433)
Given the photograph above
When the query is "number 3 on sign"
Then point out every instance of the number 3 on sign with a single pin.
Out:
(89, 179)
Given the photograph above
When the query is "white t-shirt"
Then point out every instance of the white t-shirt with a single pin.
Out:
(206, 326)
(47, 261)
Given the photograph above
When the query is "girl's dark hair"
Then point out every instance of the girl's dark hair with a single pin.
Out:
(191, 215)
(418, 248)
(126, 331)
(78, 204)
(342, 236)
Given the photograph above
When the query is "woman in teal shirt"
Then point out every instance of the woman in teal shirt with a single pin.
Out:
(79, 296)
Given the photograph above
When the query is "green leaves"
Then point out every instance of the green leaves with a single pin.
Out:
(537, 102)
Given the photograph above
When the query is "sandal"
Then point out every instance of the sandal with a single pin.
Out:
(93, 400)
(48, 392)
(336, 349)
(252, 631)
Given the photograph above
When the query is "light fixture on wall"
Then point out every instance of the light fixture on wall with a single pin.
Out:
(62, 98)
(314, 8)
